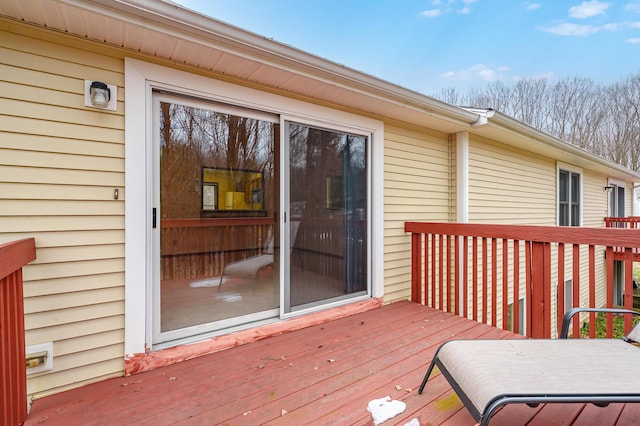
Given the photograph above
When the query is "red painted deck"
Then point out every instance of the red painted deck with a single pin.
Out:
(323, 374)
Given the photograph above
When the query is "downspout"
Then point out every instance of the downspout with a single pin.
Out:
(462, 200)
(462, 177)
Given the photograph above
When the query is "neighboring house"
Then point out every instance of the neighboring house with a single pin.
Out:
(126, 205)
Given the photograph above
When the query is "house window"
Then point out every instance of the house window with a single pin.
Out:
(569, 198)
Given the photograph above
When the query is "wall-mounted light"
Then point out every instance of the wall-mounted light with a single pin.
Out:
(100, 95)
(608, 188)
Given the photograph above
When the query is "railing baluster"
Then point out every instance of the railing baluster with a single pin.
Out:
(516, 287)
(576, 286)
(561, 296)
(628, 286)
(485, 289)
(433, 271)
(465, 277)
(474, 266)
(494, 281)
(440, 273)
(592, 288)
(448, 275)
(505, 284)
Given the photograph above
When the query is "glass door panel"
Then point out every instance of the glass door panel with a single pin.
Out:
(216, 201)
(328, 209)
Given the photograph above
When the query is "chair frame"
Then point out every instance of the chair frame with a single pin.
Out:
(484, 414)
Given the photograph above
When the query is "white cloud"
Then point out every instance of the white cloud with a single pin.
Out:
(532, 6)
(634, 40)
(588, 9)
(464, 11)
(570, 29)
(632, 7)
(635, 25)
(431, 13)
(477, 72)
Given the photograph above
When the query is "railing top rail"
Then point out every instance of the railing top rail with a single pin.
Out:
(550, 234)
(632, 219)
(15, 254)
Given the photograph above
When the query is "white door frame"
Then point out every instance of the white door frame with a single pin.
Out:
(140, 79)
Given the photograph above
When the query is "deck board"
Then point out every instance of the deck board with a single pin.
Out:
(324, 374)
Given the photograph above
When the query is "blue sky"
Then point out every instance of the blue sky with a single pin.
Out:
(430, 45)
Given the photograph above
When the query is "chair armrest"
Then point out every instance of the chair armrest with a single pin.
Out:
(566, 321)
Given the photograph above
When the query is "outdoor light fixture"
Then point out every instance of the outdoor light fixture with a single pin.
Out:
(100, 95)
(608, 188)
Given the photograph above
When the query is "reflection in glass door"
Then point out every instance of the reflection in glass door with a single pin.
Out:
(215, 217)
(328, 209)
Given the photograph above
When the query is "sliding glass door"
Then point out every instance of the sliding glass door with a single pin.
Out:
(328, 205)
(229, 250)
(214, 217)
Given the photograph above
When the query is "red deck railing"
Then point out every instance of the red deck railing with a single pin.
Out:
(195, 248)
(198, 248)
(483, 271)
(13, 385)
(631, 222)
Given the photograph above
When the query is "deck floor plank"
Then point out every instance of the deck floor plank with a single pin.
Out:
(324, 374)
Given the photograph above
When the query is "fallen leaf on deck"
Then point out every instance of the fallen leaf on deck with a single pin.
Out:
(283, 412)
(43, 419)
(398, 387)
(173, 379)
(244, 414)
(331, 360)
(408, 390)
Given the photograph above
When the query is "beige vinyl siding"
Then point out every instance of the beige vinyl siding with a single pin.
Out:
(509, 186)
(417, 187)
(59, 165)
(595, 199)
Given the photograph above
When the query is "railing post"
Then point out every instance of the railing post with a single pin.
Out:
(416, 267)
(539, 281)
(13, 389)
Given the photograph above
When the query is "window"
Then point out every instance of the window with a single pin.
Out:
(569, 198)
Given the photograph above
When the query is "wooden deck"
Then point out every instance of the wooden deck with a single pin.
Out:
(321, 375)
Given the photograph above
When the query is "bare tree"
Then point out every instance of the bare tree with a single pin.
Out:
(604, 120)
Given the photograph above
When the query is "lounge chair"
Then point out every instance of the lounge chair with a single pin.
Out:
(488, 374)
(250, 267)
